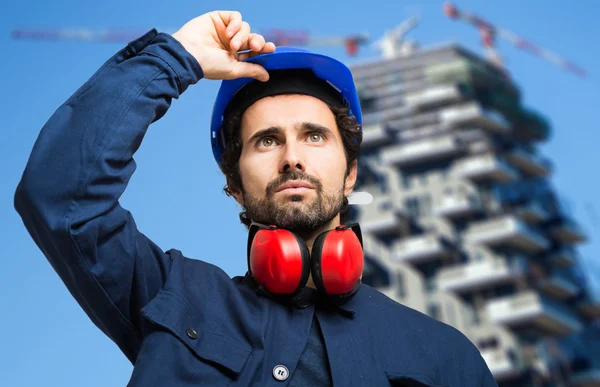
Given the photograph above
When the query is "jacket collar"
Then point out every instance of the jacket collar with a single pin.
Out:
(307, 297)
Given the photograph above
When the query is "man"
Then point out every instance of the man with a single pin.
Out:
(287, 143)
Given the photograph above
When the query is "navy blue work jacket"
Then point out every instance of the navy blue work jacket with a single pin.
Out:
(180, 321)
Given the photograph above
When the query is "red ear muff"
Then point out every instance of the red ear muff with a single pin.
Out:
(277, 259)
(338, 260)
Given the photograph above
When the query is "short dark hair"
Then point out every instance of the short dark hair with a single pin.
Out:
(347, 125)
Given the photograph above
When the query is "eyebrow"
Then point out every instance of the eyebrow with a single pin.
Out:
(307, 126)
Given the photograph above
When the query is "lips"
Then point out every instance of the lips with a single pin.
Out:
(294, 184)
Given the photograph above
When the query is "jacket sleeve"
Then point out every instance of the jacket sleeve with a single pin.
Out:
(485, 376)
(68, 196)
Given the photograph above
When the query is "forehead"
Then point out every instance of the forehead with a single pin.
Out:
(284, 111)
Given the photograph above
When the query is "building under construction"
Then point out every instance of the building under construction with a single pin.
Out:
(465, 225)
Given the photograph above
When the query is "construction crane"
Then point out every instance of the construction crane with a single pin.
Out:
(489, 32)
(281, 37)
(393, 43)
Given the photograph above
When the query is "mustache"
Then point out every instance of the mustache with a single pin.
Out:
(296, 175)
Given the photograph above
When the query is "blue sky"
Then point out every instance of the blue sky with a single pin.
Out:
(176, 193)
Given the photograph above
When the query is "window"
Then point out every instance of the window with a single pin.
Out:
(488, 343)
(444, 173)
(368, 103)
(412, 207)
(472, 201)
(433, 310)
(401, 288)
(426, 205)
(431, 285)
(406, 181)
(385, 206)
(451, 315)
(395, 78)
(382, 183)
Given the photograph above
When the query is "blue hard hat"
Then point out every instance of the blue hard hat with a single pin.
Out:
(329, 69)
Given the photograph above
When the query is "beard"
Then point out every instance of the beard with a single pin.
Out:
(295, 213)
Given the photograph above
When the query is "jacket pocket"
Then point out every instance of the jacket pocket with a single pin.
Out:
(170, 312)
(411, 380)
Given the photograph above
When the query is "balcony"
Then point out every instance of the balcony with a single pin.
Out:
(473, 115)
(422, 151)
(389, 114)
(530, 163)
(589, 307)
(474, 73)
(478, 275)
(532, 212)
(375, 135)
(436, 96)
(381, 218)
(457, 206)
(565, 257)
(507, 231)
(421, 248)
(587, 378)
(485, 167)
(529, 310)
(567, 231)
(559, 286)
(405, 119)
(502, 363)
(530, 125)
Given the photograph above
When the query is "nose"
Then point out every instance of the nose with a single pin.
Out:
(292, 159)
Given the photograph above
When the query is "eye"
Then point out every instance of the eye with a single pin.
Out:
(315, 137)
(267, 141)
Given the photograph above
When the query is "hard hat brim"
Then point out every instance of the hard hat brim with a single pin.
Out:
(337, 74)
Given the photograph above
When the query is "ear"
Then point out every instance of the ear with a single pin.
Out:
(351, 179)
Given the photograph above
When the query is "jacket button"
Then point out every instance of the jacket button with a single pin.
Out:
(281, 373)
(192, 334)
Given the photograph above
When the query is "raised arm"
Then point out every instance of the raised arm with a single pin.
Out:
(82, 161)
(80, 165)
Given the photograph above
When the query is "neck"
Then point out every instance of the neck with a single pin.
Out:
(309, 237)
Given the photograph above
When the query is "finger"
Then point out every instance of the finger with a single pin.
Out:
(233, 21)
(241, 38)
(250, 70)
(256, 42)
(267, 48)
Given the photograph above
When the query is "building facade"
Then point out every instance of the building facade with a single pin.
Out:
(465, 225)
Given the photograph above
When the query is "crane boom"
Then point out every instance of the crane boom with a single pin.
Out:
(280, 37)
(489, 31)
(75, 34)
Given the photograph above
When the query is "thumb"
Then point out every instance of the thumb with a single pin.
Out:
(250, 70)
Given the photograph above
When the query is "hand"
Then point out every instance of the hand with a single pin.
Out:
(215, 40)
